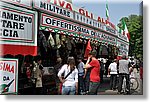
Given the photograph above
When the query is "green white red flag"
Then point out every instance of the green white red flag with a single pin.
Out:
(107, 11)
(125, 29)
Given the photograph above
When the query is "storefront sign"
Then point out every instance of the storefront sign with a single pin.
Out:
(123, 48)
(61, 3)
(123, 37)
(110, 30)
(92, 19)
(105, 37)
(47, 6)
(23, 3)
(88, 21)
(108, 38)
(61, 24)
(9, 76)
(17, 25)
(18, 28)
(53, 22)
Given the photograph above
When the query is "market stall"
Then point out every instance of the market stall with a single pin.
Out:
(52, 29)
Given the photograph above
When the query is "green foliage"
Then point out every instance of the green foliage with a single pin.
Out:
(135, 27)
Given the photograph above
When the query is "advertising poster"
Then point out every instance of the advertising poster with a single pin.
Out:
(9, 76)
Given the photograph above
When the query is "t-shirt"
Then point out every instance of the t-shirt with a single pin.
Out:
(124, 66)
(113, 68)
(72, 78)
(80, 69)
(94, 75)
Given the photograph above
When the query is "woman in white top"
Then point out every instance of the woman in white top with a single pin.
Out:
(70, 81)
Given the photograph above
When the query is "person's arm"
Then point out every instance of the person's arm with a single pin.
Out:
(130, 67)
(108, 70)
(118, 66)
(76, 80)
(87, 63)
(76, 87)
(88, 66)
(85, 72)
(62, 70)
(61, 80)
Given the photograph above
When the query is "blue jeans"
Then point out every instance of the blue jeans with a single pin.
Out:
(93, 88)
(87, 81)
(81, 84)
(68, 90)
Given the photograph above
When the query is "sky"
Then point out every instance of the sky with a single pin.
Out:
(117, 8)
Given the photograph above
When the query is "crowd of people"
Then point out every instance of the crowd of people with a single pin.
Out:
(80, 77)
(86, 78)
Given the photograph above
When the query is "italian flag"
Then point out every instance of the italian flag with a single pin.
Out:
(107, 11)
(125, 29)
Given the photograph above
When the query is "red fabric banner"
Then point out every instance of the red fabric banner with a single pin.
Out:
(88, 49)
(18, 49)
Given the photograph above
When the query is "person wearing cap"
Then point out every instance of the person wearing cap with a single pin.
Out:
(94, 65)
(124, 66)
(112, 71)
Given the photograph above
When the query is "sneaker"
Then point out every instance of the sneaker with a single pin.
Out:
(83, 93)
(114, 89)
(128, 92)
(119, 93)
(87, 92)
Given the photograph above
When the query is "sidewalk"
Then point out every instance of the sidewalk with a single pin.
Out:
(105, 87)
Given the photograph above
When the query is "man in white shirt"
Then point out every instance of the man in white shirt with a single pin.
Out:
(113, 74)
(70, 81)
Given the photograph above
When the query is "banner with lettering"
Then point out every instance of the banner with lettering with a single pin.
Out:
(47, 6)
(61, 24)
(123, 47)
(18, 29)
(123, 37)
(22, 3)
(9, 76)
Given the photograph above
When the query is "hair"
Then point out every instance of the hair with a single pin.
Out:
(71, 61)
(79, 58)
(123, 56)
(93, 53)
(115, 60)
(37, 58)
(59, 60)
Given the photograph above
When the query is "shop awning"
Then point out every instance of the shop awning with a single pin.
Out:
(18, 49)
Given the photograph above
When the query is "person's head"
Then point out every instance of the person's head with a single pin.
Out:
(124, 57)
(71, 62)
(115, 60)
(39, 59)
(102, 60)
(79, 59)
(59, 60)
(93, 53)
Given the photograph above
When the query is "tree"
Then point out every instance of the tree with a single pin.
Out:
(135, 27)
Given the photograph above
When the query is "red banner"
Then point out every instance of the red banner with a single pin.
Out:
(18, 49)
